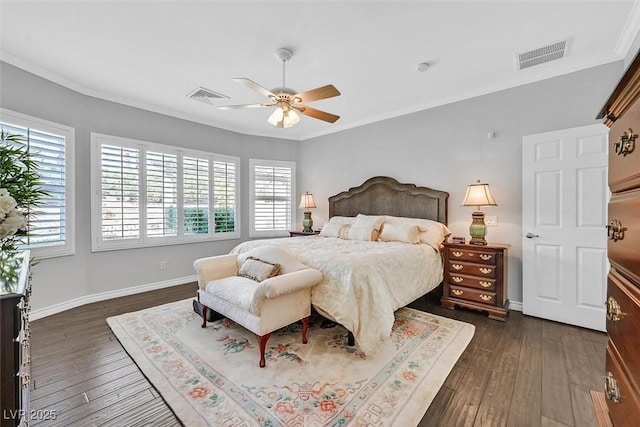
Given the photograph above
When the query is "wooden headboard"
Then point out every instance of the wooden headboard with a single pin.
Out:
(382, 195)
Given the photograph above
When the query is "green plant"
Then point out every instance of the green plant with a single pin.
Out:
(20, 189)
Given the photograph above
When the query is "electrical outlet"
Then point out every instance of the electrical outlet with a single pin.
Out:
(491, 221)
(163, 265)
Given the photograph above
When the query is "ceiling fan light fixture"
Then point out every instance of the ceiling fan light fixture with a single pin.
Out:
(283, 119)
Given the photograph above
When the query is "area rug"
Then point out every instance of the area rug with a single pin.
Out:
(211, 377)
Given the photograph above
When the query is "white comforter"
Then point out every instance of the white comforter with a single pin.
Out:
(364, 282)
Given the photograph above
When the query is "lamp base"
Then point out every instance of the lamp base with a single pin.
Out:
(307, 223)
(477, 229)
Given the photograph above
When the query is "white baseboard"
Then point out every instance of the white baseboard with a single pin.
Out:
(515, 305)
(88, 299)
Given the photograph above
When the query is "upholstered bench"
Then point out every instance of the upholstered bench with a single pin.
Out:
(263, 290)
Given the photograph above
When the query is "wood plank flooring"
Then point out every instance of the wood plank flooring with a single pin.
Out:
(523, 372)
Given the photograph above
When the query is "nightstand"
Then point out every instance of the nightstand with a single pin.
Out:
(302, 233)
(475, 277)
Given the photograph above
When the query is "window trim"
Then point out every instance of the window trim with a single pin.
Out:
(69, 133)
(144, 241)
(271, 163)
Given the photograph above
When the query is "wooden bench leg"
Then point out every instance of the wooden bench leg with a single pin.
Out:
(263, 344)
(204, 316)
(305, 328)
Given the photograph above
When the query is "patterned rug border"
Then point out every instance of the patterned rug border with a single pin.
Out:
(413, 409)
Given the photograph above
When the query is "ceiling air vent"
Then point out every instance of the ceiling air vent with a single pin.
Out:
(541, 55)
(205, 95)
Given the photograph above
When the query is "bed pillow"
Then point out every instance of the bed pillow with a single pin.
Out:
(258, 270)
(435, 235)
(342, 220)
(359, 233)
(369, 221)
(397, 232)
(331, 230)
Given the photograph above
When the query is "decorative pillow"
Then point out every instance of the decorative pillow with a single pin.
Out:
(359, 233)
(392, 232)
(258, 270)
(369, 221)
(435, 235)
(331, 230)
(342, 220)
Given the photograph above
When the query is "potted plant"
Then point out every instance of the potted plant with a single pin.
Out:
(20, 190)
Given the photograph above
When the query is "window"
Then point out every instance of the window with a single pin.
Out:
(51, 144)
(272, 197)
(147, 194)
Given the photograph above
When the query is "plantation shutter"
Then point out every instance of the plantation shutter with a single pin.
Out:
(120, 192)
(224, 195)
(195, 183)
(162, 194)
(47, 226)
(272, 198)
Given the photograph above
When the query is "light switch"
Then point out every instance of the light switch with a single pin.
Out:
(491, 221)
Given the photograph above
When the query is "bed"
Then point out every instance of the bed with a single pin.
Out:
(364, 282)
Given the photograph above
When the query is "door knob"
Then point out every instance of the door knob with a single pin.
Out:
(531, 235)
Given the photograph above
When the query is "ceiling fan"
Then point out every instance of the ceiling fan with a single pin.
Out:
(286, 100)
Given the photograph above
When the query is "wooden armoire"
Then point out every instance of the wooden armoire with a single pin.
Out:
(622, 375)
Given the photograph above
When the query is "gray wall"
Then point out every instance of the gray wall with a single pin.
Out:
(444, 147)
(62, 279)
(447, 148)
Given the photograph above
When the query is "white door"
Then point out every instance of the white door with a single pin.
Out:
(564, 214)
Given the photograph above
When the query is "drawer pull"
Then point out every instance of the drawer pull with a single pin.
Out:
(614, 313)
(26, 379)
(457, 292)
(485, 270)
(485, 257)
(484, 284)
(484, 297)
(615, 230)
(611, 390)
(457, 254)
(457, 279)
(626, 143)
(457, 267)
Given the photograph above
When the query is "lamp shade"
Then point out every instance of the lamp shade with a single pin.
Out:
(478, 195)
(307, 202)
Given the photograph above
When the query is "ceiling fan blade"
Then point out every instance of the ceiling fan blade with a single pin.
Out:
(255, 86)
(235, 107)
(324, 92)
(317, 114)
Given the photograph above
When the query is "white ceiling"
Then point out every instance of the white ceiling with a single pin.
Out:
(151, 54)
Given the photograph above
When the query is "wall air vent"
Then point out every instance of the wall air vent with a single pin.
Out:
(541, 55)
(205, 95)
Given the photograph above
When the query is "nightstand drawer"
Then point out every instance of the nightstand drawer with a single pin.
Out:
(476, 256)
(469, 294)
(469, 269)
(472, 282)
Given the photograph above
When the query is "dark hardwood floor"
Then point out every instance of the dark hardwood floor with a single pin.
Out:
(523, 372)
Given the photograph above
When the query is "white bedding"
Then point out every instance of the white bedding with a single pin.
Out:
(364, 282)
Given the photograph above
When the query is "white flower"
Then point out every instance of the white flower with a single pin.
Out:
(13, 222)
(7, 203)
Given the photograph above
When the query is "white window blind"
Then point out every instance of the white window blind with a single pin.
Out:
(225, 195)
(195, 182)
(162, 194)
(51, 147)
(152, 194)
(273, 197)
(120, 192)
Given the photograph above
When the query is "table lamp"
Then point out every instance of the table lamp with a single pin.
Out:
(307, 203)
(478, 195)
